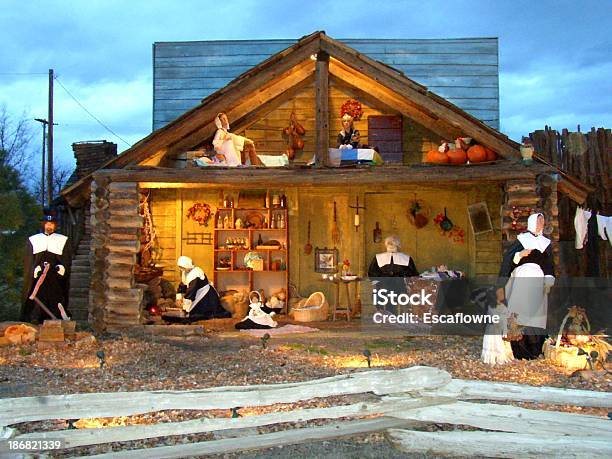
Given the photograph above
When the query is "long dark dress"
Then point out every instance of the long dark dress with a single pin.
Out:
(53, 249)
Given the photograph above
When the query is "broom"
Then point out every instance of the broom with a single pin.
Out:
(335, 232)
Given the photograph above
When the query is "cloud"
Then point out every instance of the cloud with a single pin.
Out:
(560, 96)
(123, 106)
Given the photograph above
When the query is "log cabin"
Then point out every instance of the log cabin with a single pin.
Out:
(144, 208)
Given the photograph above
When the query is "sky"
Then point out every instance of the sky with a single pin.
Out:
(555, 56)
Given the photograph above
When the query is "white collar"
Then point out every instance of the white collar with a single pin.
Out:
(530, 241)
(193, 274)
(53, 243)
(399, 258)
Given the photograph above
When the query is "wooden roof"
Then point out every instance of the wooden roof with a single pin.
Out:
(259, 90)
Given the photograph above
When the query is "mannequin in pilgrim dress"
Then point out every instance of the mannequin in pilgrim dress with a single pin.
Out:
(392, 263)
(529, 269)
(200, 300)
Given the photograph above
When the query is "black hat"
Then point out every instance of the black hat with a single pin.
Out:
(49, 215)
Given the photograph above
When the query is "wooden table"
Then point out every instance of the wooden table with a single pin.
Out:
(349, 307)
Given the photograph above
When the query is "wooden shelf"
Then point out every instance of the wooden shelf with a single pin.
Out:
(250, 250)
(268, 279)
(250, 229)
(250, 271)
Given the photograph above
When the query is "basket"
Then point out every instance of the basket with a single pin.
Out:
(567, 356)
(313, 309)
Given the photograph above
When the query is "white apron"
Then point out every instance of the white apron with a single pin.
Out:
(525, 291)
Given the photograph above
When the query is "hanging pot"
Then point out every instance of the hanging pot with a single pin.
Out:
(446, 224)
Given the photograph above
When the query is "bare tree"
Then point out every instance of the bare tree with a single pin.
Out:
(61, 174)
(15, 138)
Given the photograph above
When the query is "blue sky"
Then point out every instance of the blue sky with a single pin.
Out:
(555, 56)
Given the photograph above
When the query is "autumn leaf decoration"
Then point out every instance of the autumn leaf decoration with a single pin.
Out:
(200, 212)
(455, 234)
(353, 108)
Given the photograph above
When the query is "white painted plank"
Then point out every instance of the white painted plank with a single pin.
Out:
(282, 438)
(489, 390)
(495, 444)
(84, 437)
(75, 406)
(507, 418)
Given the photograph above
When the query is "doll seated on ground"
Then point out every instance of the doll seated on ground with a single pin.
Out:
(259, 316)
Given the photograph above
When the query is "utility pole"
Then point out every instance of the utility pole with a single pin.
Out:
(50, 143)
(43, 171)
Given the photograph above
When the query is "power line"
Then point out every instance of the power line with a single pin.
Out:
(92, 115)
(23, 73)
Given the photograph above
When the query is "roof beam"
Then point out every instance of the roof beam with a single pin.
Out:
(418, 95)
(322, 109)
(392, 99)
(249, 112)
(253, 102)
(298, 176)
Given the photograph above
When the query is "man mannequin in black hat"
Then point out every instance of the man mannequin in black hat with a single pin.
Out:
(46, 273)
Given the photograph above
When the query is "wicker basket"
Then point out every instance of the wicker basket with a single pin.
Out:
(313, 309)
(567, 356)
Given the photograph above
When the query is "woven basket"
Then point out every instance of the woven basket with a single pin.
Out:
(566, 356)
(314, 309)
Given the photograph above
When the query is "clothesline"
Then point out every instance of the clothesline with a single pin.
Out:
(581, 222)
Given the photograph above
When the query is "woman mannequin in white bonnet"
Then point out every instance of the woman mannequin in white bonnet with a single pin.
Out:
(528, 265)
(235, 148)
(392, 263)
(200, 299)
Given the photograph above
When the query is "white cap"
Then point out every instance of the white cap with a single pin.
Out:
(185, 262)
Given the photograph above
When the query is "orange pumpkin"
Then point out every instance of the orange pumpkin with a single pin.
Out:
(491, 155)
(435, 156)
(457, 156)
(477, 154)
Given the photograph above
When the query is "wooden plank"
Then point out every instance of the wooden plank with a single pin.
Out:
(297, 176)
(507, 418)
(75, 438)
(495, 444)
(486, 390)
(283, 438)
(322, 109)
(15, 410)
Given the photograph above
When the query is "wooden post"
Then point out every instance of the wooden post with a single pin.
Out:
(50, 141)
(322, 109)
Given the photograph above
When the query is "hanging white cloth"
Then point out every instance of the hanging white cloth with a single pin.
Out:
(581, 221)
(601, 226)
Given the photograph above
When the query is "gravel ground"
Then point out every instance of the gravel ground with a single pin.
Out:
(225, 357)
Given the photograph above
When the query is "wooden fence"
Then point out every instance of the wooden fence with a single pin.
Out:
(406, 400)
(587, 157)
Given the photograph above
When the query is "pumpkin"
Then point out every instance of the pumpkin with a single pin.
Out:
(437, 157)
(457, 156)
(491, 155)
(477, 154)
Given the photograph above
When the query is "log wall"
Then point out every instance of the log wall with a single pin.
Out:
(114, 301)
(538, 195)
